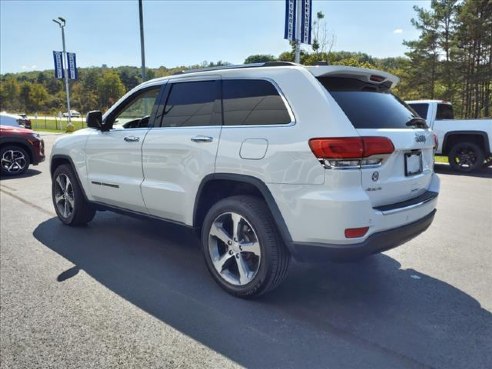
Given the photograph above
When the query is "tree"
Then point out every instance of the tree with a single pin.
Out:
(9, 94)
(110, 88)
(130, 76)
(424, 51)
(474, 38)
(452, 59)
(259, 58)
(38, 98)
(25, 96)
(322, 41)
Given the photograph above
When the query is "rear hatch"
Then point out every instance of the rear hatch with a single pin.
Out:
(398, 174)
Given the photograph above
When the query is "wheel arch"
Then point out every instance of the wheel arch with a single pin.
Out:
(478, 137)
(19, 143)
(217, 186)
(57, 160)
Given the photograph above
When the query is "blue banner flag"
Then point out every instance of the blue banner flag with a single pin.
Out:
(72, 66)
(307, 6)
(290, 19)
(58, 58)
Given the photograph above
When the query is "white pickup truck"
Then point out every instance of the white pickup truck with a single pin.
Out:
(466, 142)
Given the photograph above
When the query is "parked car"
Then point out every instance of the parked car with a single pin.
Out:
(14, 120)
(19, 148)
(466, 142)
(73, 113)
(265, 161)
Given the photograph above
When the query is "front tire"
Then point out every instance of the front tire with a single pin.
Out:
(242, 247)
(466, 157)
(68, 199)
(14, 160)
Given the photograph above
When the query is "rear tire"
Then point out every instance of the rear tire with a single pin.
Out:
(466, 157)
(14, 160)
(242, 247)
(68, 199)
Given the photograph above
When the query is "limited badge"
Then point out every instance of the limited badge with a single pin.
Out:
(375, 176)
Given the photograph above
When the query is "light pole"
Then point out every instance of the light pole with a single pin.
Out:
(61, 22)
(142, 45)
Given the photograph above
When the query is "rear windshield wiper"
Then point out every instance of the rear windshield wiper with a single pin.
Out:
(417, 123)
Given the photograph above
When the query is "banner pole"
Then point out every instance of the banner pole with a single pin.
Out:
(298, 32)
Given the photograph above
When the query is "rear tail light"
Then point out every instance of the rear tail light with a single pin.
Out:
(351, 152)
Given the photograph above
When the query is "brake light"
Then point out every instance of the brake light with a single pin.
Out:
(337, 148)
(377, 146)
(376, 78)
(350, 152)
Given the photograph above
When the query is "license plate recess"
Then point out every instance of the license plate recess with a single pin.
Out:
(413, 163)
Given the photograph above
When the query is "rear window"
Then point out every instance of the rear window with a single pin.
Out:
(420, 109)
(367, 105)
(253, 102)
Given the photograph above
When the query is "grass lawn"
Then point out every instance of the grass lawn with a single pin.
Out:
(441, 159)
(55, 125)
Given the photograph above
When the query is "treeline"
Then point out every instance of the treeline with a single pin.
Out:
(96, 88)
(100, 87)
(451, 60)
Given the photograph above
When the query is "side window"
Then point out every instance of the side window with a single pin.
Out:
(136, 113)
(192, 104)
(252, 102)
(444, 111)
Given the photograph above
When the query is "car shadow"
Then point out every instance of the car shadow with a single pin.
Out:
(370, 314)
(485, 172)
(29, 173)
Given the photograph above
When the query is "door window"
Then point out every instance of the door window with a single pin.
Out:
(136, 113)
(192, 104)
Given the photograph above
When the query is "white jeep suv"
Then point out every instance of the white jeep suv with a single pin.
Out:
(266, 161)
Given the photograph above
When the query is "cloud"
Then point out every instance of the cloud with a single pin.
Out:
(398, 30)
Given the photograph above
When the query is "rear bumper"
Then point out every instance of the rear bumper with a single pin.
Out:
(377, 242)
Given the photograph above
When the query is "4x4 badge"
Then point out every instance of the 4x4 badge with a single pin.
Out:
(420, 138)
(375, 176)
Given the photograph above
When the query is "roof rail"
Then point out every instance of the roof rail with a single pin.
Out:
(239, 66)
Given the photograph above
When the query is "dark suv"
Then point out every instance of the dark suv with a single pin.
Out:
(19, 147)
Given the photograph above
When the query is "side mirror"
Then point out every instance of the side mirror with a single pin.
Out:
(94, 119)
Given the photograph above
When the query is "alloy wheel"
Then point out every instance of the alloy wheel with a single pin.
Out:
(64, 197)
(13, 161)
(234, 248)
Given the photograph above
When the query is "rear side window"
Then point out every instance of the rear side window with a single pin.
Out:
(366, 105)
(420, 109)
(444, 111)
(253, 102)
(192, 104)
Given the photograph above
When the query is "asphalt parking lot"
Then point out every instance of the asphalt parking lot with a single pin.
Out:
(132, 293)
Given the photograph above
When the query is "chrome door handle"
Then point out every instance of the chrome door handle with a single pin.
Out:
(132, 139)
(201, 138)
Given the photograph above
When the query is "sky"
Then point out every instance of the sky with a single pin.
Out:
(188, 32)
